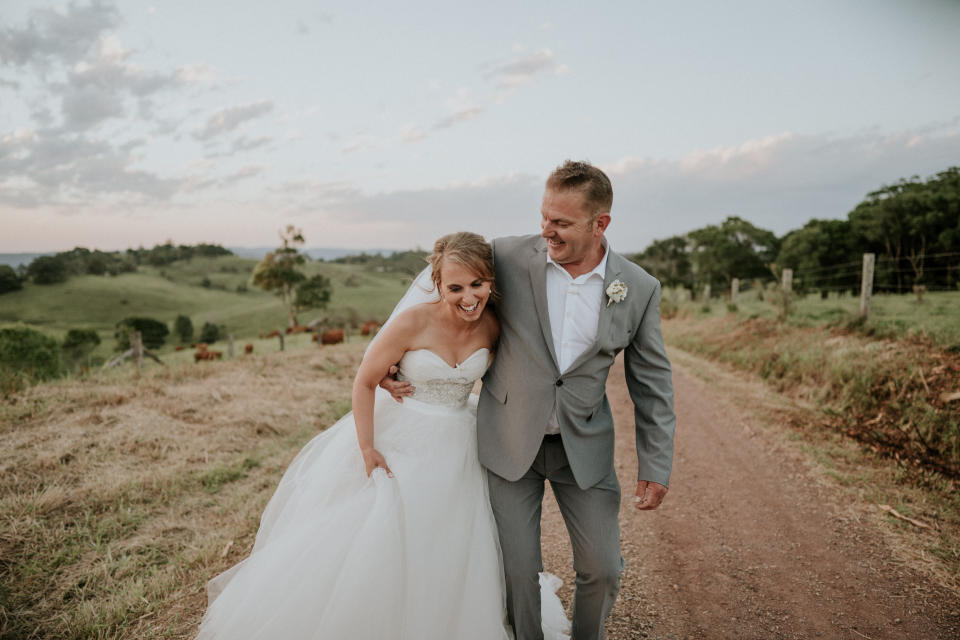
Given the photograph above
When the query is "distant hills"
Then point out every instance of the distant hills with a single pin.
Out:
(316, 253)
(16, 259)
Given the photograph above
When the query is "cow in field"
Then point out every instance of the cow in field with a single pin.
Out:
(298, 329)
(207, 355)
(369, 328)
(248, 348)
(333, 336)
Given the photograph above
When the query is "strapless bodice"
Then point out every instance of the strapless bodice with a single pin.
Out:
(436, 382)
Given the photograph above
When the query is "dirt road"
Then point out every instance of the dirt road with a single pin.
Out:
(750, 542)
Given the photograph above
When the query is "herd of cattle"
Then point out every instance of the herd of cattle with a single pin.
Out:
(330, 336)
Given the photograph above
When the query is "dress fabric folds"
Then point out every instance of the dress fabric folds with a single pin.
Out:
(341, 555)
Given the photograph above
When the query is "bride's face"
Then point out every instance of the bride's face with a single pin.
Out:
(463, 291)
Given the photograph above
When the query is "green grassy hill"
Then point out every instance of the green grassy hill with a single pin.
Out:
(891, 315)
(99, 302)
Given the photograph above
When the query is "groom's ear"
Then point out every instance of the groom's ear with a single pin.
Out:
(602, 221)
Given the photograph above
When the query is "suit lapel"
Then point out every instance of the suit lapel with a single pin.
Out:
(612, 272)
(538, 279)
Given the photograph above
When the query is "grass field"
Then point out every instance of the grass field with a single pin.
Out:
(937, 317)
(99, 302)
(123, 493)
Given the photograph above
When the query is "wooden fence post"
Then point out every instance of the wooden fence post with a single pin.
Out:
(788, 280)
(866, 285)
(734, 290)
(281, 340)
(230, 346)
(136, 343)
(706, 294)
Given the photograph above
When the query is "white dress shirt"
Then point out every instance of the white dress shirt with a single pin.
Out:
(574, 306)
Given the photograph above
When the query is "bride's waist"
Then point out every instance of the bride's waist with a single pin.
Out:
(427, 403)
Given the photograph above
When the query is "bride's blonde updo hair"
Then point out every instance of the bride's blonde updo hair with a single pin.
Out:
(467, 249)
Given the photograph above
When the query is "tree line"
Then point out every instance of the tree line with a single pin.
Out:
(913, 226)
(80, 261)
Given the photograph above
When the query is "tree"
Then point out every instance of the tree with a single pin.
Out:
(183, 329)
(48, 270)
(278, 270)
(735, 249)
(210, 333)
(26, 355)
(669, 261)
(9, 280)
(78, 344)
(910, 220)
(152, 332)
(313, 293)
(820, 254)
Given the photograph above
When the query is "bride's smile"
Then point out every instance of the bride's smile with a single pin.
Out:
(463, 292)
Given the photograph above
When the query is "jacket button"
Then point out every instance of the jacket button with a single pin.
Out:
(559, 383)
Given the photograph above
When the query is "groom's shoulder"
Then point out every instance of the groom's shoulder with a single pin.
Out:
(508, 247)
(636, 274)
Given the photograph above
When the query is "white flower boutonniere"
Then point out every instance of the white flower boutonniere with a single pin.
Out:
(617, 292)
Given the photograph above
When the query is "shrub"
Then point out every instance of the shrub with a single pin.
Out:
(9, 280)
(48, 270)
(78, 344)
(153, 332)
(210, 333)
(205, 283)
(26, 355)
(183, 329)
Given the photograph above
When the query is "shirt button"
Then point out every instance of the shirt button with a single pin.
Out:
(559, 383)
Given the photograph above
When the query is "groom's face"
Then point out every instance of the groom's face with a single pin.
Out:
(574, 237)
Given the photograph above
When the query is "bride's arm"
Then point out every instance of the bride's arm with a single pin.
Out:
(385, 351)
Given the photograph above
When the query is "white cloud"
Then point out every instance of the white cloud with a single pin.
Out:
(412, 133)
(461, 108)
(56, 34)
(230, 118)
(777, 183)
(54, 170)
(522, 70)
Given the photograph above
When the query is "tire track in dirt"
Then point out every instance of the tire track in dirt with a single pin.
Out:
(749, 543)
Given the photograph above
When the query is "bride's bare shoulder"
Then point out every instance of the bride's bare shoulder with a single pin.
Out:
(415, 318)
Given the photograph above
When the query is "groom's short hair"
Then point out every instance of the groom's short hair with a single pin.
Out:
(588, 180)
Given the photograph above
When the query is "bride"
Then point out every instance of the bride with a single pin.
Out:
(381, 527)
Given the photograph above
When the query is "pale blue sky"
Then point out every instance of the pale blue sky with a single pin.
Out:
(374, 124)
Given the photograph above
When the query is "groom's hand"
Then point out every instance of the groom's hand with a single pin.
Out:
(396, 388)
(649, 495)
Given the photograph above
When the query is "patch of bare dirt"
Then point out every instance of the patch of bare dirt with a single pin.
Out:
(751, 542)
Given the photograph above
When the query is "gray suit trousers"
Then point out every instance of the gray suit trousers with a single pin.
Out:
(591, 517)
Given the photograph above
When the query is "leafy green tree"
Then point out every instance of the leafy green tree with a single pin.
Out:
(669, 261)
(183, 329)
(313, 293)
(210, 333)
(820, 254)
(9, 280)
(152, 332)
(278, 271)
(48, 270)
(78, 344)
(26, 355)
(734, 249)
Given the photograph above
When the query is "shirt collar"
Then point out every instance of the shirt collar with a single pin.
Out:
(600, 269)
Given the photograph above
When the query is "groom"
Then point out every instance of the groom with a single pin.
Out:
(568, 306)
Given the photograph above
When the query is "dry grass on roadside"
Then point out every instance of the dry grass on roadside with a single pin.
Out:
(122, 494)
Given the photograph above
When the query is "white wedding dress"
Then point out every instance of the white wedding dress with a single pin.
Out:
(415, 557)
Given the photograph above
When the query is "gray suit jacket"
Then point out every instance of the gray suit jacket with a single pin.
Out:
(524, 382)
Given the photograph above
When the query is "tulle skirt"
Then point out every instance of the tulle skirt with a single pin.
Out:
(341, 555)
